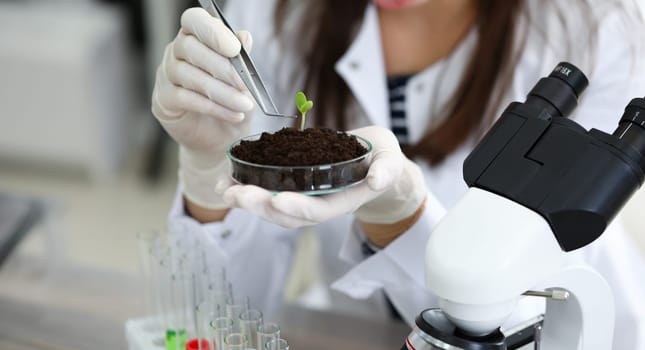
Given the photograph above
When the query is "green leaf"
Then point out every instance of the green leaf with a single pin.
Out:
(301, 99)
(304, 106)
(307, 106)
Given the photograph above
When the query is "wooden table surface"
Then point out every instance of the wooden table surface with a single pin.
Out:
(52, 307)
(316, 330)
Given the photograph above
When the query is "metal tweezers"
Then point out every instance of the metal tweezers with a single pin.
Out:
(246, 69)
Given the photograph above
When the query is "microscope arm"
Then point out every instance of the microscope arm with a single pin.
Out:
(484, 254)
(583, 320)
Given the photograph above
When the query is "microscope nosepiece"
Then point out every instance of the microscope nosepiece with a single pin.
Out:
(477, 320)
(434, 330)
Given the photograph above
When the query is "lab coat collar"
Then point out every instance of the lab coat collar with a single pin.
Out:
(363, 69)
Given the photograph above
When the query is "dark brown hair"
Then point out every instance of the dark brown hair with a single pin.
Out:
(330, 32)
(480, 92)
(493, 52)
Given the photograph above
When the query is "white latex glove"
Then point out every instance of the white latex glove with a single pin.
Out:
(394, 189)
(200, 100)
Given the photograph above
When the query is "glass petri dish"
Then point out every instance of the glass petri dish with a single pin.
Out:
(306, 179)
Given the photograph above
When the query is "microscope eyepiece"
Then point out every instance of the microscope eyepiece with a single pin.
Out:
(631, 128)
(558, 93)
(571, 75)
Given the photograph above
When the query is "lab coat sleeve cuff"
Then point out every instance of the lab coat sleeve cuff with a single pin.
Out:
(224, 238)
(351, 250)
(406, 253)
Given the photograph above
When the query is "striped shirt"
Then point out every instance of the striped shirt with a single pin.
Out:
(396, 87)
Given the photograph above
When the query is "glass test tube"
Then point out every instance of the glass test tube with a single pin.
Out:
(250, 320)
(215, 295)
(277, 344)
(182, 310)
(220, 328)
(218, 288)
(218, 294)
(201, 287)
(235, 341)
(233, 311)
(267, 332)
(205, 314)
(208, 286)
(148, 243)
(166, 301)
(176, 336)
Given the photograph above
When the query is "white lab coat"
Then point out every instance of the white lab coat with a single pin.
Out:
(257, 254)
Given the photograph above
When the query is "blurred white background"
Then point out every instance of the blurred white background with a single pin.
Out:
(76, 134)
(632, 214)
(77, 137)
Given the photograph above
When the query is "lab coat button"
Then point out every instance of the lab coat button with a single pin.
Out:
(420, 87)
(225, 234)
(354, 65)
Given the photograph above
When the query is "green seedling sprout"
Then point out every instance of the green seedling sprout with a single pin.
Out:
(304, 106)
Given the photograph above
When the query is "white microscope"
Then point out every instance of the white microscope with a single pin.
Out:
(540, 186)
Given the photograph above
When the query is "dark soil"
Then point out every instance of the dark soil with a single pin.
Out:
(305, 150)
(292, 147)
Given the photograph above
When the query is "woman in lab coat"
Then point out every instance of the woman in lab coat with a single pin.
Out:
(432, 74)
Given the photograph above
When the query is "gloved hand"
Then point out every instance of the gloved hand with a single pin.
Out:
(200, 100)
(394, 189)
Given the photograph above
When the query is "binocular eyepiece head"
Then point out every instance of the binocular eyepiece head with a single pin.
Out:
(558, 96)
(558, 93)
